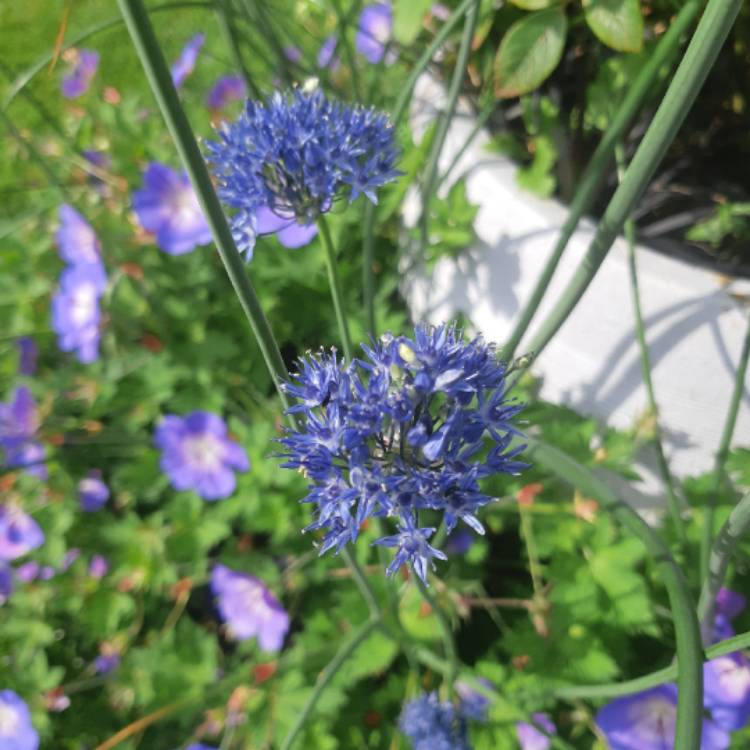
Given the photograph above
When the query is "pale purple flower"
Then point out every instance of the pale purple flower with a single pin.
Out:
(227, 89)
(6, 582)
(183, 66)
(69, 558)
(726, 692)
(199, 746)
(76, 240)
(16, 730)
(474, 704)
(440, 11)
(18, 425)
(459, 541)
(292, 53)
(374, 32)
(646, 721)
(106, 662)
(75, 310)
(28, 571)
(197, 454)
(92, 492)
(27, 355)
(77, 81)
(530, 738)
(98, 567)
(19, 533)
(730, 604)
(248, 608)
(327, 51)
(168, 207)
(46, 572)
(288, 231)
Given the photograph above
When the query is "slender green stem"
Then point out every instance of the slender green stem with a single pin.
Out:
(592, 177)
(325, 677)
(444, 121)
(730, 534)
(157, 72)
(449, 645)
(399, 110)
(257, 15)
(362, 583)
(687, 631)
(722, 453)
(527, 532)
(230, 32)
(343, 40)
(673, 503)
(335, 284)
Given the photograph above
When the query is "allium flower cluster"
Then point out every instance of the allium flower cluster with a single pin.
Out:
(434, 725)
(415, 426)
(75, 306)
(18, 425)
(297, 153)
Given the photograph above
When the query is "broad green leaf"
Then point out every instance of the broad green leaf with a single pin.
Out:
(617, 23)
(529, 52)
(407, 19)
(531, 4)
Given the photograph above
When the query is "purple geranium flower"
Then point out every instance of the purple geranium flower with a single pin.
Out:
(248, 608)
(198, 455)
(199, 746)
(530, 738)
(227, 89)
(6, 582)
(327, 51)
(92, 492)
(69, 558)
(473, 705)
(292, 53)
(75, 310)
(76, 239)
(183, 66)
(646, 721)
(288, 231)
(27, 355)
(727, 690)
(77, 81)
(28, 571)
(168, 207)
(98, 567)
(18, 426)
(374, 32)
(107, 662)
(19, 533)
(16, 730)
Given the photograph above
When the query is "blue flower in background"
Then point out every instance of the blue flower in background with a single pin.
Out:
(77, 81)
(433, 725)
(183, 66)
(92, 492)
(19, 533)
(6, 582)
(18, 425)
(248, 608)
(474, 704)
(327, 51)
(646, 721)
(27, 355)
(16, 730)
(168, 207)
(199, 747)
(295, 155)
(416, 425)
(197, 454)
(227, 89)
(530, 738)
(374, 32)
(107, 661)
(76, 240)
(98, 567)
(289, 233)
(28, 571)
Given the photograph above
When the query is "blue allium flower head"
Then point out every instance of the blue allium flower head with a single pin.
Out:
(726, 691)
(433, 725)
(16, 730)
(197, 454)
(415, 425)
(374, 32)
(646, 721)
(327, 51)
(18, 425)
(296, 154)
(227, 89)
(6, 582)
(76, 82)
(530, 738)
(248, 608)
(27, 355)
(183, 66)
(19, 533)
(92, 492)
(168, 207)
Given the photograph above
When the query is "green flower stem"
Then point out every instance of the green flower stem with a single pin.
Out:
(362, 583)
(711, 33)
(368, 281)
(335, 284)
(687, 631)
(230, 32)
(355, 641)
(343, 20)
(673, 502)
(731, 532)
(722, 453)
(449, 645)
(157, 72)
(444, 121)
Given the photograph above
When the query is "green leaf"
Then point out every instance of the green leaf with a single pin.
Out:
(531, 4)
(529, 52)
(407, 19)
(617, 23)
